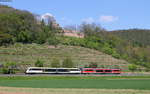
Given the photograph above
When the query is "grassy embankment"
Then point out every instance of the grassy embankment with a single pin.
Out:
(29, 53)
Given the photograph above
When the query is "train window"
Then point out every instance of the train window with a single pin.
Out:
(99, 70)
(50, 70)
(108, 70)
(63, 70)
(88, 70)
(36, 69)
(116, 70)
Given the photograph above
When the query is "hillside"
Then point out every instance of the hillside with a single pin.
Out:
(29, 53)
(137, 36)
(18, 26)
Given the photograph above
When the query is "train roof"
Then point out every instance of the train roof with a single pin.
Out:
(49, 68)
(103, 68)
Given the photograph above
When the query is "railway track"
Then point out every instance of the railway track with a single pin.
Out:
(122, 74)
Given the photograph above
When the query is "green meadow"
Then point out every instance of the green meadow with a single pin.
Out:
(90, 82)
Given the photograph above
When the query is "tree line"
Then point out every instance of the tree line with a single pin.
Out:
(119, 46)
(22, 26)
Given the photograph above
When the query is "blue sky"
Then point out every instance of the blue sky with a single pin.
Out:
(111, 14)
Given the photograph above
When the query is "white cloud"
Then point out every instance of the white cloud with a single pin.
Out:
(88, 20)
(46, 15)
(108, 18)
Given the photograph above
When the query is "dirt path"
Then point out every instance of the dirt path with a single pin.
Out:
(13, 90)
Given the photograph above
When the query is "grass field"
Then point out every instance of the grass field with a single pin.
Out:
(75, 85)
(141, 83)
(10, 90)
(29, 53)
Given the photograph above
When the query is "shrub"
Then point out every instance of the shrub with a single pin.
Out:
(116, 67)
(67, 63)
(5, 70)
(116, 55)
(132, 67)
(102, 66)
(93, 65)
(55, 63)
(53, 41)
(86, 66)
(39, 63)
(9, 68)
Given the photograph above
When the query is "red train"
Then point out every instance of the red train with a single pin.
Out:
(100, 71)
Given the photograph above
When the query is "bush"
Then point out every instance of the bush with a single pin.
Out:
(102, 66)
(5, 70)
(9, 68)
(39, 63)
(93, 65)
(107, 50)
(132, 67)
(116, 67)
(86, 66)
(67, 63)
(55, 63)
(53, 41)
(5, 39)
(116, 55)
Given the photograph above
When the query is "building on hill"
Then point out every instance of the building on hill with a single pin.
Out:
(55, 25)
(73, 33)
(49, 19)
